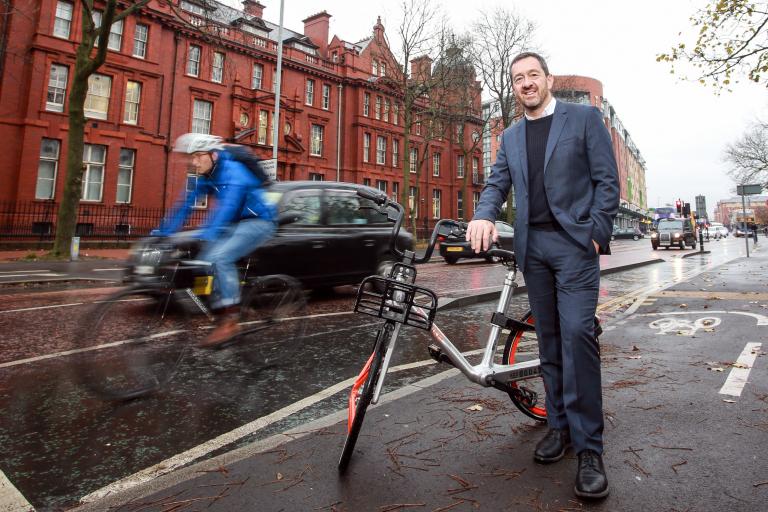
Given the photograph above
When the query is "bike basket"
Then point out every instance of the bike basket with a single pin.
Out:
(401, 302)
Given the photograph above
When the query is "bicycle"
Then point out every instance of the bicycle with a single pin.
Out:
(132, 343)
(399, 301)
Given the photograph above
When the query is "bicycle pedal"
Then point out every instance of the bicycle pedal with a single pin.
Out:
(437, 354)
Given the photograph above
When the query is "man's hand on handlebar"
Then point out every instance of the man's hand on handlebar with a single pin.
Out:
(480, 234)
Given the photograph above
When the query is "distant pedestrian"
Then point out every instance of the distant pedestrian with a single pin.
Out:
(560, 160)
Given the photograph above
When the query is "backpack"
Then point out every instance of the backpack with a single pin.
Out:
(250, 161)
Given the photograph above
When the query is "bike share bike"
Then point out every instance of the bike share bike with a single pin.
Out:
(400, 302)
(132, 343)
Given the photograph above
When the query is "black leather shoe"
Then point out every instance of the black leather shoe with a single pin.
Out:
(591, 481)
(552, 448)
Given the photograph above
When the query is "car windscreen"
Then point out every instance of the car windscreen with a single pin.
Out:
(671, 224)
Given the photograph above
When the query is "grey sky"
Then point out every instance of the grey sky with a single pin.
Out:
(679, 127)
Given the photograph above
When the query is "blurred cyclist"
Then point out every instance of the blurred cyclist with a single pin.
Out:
(241, 220)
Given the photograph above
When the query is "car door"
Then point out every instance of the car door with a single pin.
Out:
(299, 249)
(353, 236)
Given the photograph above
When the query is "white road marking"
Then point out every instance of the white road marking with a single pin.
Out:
(123, 342)
(107, 269)
(736, 380)
(683, 326)
(230, 437)
(27, 274)
(761, 320)
(11, 500)
(27, 271)
(42, 307)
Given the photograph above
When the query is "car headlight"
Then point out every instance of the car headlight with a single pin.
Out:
(677, 235)
(654, 235)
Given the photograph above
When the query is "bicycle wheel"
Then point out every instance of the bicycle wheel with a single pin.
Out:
(132, 343)
(528, 395)
(362, 392)
(272, 318)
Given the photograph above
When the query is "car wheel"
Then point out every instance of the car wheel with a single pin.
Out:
(635, 237)
(655, 247)
(451, 260)
(682, 245)
(693, 246)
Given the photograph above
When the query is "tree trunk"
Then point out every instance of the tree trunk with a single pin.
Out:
(73, 185)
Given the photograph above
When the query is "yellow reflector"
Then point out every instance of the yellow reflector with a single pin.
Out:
(203, 285)
(454, 249)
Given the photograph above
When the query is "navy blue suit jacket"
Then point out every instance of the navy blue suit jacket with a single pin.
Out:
(581, 179)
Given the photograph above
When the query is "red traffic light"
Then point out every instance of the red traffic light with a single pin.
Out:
(679, 206)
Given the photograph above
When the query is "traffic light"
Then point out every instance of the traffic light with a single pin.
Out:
(686, 209)
(679, 206)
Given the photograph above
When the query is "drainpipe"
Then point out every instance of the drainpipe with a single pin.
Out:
(176, 39)
(338, 137)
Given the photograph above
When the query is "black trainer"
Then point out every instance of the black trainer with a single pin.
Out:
(591, 481)
(553, 446)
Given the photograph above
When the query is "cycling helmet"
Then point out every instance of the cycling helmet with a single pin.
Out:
(193, 142)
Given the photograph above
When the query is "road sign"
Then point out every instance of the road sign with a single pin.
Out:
(748, 190)
(270, 167)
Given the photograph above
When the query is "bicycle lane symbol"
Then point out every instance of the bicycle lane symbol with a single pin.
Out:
(738, 377)
(684, 326)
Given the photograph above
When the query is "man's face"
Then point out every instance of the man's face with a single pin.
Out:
(530, 83)
(201, 162)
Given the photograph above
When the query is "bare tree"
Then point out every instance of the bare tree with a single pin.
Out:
(748, 156)
(421, 36)
(732, 39)
(496, 38)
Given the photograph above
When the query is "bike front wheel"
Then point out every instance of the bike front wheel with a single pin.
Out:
(362, 393)
(272, 320)
(132, 343)
(528, 395)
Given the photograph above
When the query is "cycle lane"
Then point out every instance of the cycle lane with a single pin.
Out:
(673, 440)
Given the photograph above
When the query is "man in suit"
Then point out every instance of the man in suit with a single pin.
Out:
(560, 160)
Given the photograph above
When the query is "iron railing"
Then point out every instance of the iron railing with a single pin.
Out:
(36, 220)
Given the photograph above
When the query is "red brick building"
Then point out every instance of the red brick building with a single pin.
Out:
(203, 66)
(633, 207)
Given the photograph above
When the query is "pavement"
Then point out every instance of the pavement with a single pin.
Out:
(685, 400)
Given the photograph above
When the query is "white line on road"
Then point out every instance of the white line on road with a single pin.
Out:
(27, 271)
(232, 436)
(42, 307)
(108, 269)
(736, 380)
(123, 342)
(11, 500)
(27, 274)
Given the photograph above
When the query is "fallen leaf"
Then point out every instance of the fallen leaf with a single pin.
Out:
(279, 476)
(635, 357)
(635, 349)
(476, 407)
(683, 305)
(739, 365)
(716, 369)
(729, 401)
(709, 330)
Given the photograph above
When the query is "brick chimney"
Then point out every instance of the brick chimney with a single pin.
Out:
(316, 28)
(421, 68)
(254, 8)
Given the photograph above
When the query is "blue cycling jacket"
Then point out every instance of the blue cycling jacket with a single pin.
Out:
(238, 195)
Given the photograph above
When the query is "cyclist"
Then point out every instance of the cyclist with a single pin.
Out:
(241, 220)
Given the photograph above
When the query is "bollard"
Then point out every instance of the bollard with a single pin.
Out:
(74, 249)
(701, 240)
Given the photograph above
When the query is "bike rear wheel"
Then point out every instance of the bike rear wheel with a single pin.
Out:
(362, 392)
(132, 343)
(528, 395)
(272, 319)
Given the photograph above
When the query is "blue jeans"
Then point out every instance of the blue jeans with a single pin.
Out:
(223, 253)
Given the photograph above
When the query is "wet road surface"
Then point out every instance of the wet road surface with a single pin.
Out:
(60, 443)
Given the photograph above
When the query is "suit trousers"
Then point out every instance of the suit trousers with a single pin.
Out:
(563, 280)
